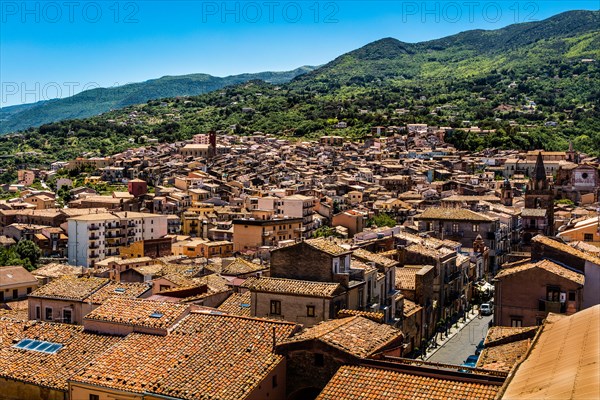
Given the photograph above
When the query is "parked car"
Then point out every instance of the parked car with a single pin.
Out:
(471, 361)
(486, 309)
(479, 348)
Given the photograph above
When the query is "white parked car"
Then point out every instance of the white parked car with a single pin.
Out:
(486, 309)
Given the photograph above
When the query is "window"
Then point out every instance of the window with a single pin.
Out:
(275, 307)
(310, 311)
(475, 227)
(274, 381)
(516, 322)
(319, 360)
(38, 312)
(552, 293)
(48, 314)
(67, 316)
(454, 228)
(588, 237)
(94, 397)
(571, 296)
(15, 293)
(539, 321)
(28, 290)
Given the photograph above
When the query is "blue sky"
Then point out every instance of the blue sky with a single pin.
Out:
(55, 48)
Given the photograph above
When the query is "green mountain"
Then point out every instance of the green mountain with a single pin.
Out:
(97, 101)
(533, 85)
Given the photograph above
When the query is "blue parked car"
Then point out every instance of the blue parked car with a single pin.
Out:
(471, 361)
(479, 348)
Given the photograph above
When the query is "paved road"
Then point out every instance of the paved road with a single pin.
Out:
(460, 346)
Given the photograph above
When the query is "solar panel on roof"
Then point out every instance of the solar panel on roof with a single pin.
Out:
(38, 345)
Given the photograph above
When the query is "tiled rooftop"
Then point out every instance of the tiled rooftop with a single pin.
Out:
(546, 265)
(70, 288)
(453, 214)
(221, 355)
(503, 333)
(503, 357)
(356, 382)
(118, 289)
(374, 257)
(356, 335)
(237, 304)
(137, 312)
(292, 286)
(565, 248)
(240, 266)
(48, 370)
(327, 246)
(373, 316)
(405, 277)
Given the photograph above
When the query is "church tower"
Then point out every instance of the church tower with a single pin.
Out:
(507, 193)
(572, 155)
(538, 214)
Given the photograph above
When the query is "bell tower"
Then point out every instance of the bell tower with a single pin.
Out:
(538, 214)
(507, 193)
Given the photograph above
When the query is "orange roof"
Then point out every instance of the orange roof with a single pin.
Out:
(353, 382)
(546, 265)
(563, 361)
(358, 336)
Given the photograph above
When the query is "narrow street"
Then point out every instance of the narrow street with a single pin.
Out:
(463, 343)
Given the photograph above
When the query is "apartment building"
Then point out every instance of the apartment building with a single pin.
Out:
(254, 233)
(94, 237)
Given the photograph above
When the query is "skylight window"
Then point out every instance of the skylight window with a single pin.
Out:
(245, 305)
(156, 314)
(120, 290)
(38, 345)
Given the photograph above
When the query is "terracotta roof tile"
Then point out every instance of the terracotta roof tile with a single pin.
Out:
(221, 355)
(355, 382)
(48, 370)
(118, 289)
(237, 304)
(137, 312)
(546, 265)
(292, 286)
(327, 246)
(368, 256)
(565, 248)
(503, 357)
(70, 288)
(356, 335)
(453, 214)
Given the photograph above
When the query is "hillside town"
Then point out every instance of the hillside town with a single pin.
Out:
(252, 267)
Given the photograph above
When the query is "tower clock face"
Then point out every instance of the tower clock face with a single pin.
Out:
(584, 178)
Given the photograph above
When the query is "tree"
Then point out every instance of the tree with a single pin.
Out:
(324, 231)
(381, 220)
(29, 253)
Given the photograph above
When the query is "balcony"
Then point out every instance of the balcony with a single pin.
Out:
(93, 246)
(454, 233)
(552, 306)
(453, 276)
(93, 228)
